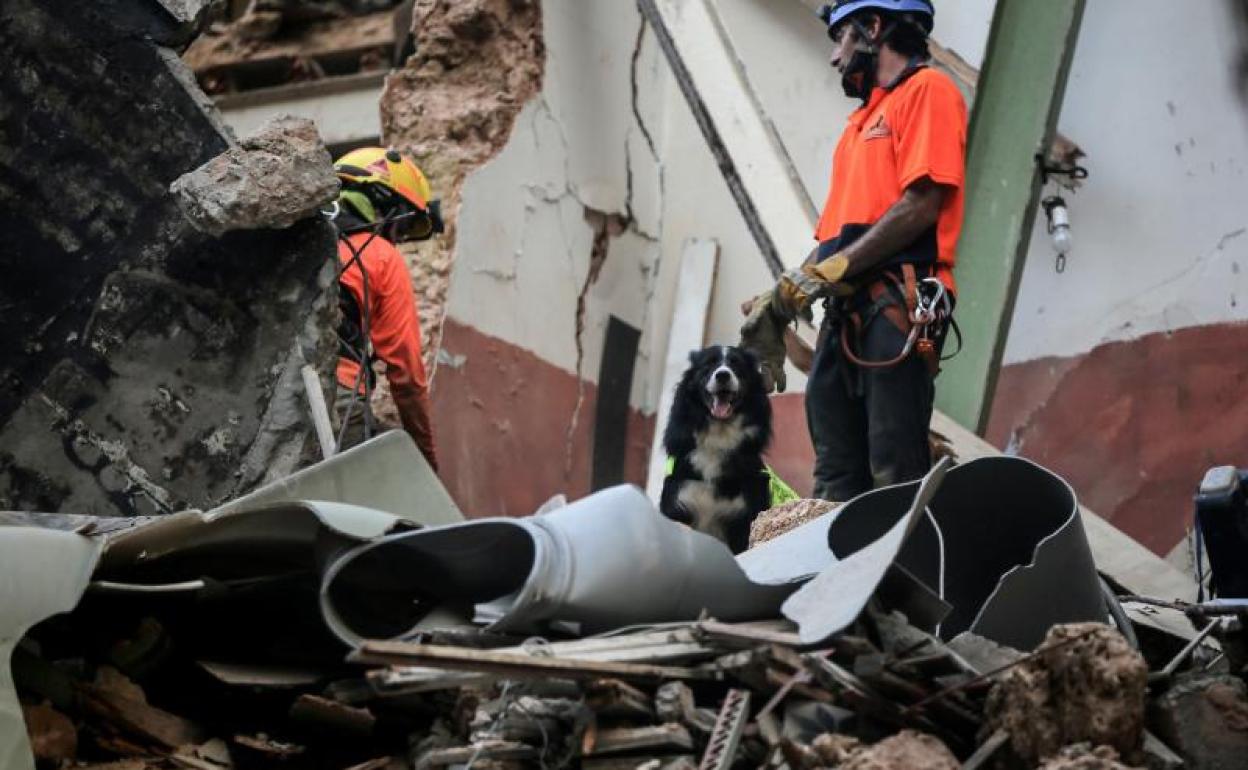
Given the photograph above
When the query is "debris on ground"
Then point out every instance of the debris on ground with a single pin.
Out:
(276, 176)
(352, 638)
(1082, 756)
(1086, 685)
(1205, 719)
(773, 523)
(906, 749)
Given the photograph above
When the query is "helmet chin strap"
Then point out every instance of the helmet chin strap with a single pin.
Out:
(859, 79)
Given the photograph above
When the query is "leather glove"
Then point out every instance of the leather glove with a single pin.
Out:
(798, 288)
(763, 335)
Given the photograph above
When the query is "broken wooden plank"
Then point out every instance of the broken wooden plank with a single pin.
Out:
(663, 738)
(671, 645)
(514, 664)
(122, 703)
(767, 632)
(500, 751)
(614, 699)
(355, 34)
(325, 714)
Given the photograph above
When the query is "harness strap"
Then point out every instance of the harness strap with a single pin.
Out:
(897, 299)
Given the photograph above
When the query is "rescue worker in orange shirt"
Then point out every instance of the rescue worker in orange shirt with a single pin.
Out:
(885, 255)
(385, 200)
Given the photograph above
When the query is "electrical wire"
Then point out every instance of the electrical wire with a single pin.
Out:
(940, 544)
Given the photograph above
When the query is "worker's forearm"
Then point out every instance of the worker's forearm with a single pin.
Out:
(801, 354)
(907, 219)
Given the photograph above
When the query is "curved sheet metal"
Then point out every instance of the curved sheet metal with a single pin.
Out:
(1001, 541)
(605, 561)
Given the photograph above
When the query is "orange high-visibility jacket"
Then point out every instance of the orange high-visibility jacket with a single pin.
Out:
(915, 130)
(393, 328)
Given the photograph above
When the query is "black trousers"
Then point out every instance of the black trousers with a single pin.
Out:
(869, 426)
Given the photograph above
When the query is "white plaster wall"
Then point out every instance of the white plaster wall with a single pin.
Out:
(1160, 238)
(963, 26)
(523, 248)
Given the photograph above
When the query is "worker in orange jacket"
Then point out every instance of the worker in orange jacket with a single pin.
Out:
(385, 199)
(884, 262)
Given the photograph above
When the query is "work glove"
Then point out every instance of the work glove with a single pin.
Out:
(799, 287)
(763, 335)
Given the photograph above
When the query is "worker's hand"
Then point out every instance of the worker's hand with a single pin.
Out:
(762, 333)
(796, 291)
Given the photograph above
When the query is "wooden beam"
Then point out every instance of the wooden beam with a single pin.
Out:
(517, 665)
(774, 205)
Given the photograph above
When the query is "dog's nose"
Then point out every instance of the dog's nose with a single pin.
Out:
(723, 377)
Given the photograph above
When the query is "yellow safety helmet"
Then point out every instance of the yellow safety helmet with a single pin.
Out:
(361, 169)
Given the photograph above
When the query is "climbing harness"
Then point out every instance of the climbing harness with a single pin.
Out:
(923, 315)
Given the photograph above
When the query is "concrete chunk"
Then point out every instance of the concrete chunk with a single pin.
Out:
(274, 177)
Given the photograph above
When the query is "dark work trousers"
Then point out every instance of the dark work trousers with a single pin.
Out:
(869, 426)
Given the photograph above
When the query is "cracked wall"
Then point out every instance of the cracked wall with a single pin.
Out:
(146, 367)
(558, 234)
(608, 132)
(1123, 372)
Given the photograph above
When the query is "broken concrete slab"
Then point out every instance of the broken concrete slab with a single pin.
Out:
(274, 177)
(145, 365)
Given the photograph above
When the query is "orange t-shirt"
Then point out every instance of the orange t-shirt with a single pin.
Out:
(915, 130)
(394, 326)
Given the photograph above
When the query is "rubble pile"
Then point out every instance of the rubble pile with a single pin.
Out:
(881, 696)
(277, 630)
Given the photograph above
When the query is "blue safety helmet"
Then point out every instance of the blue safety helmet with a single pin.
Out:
(922, 11)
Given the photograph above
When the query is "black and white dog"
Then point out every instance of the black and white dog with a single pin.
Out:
(718, 429)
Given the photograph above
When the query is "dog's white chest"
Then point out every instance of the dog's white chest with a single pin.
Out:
(709, 511)
(716, 443)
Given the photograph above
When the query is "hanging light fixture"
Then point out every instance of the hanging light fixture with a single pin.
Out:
(1059, 228)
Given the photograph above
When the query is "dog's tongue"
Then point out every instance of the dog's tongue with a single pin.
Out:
(721, 408)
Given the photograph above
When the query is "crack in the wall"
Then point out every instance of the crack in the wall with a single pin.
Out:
(645, 132)
(605, 226)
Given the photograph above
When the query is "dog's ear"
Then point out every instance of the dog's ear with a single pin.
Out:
(693, 357)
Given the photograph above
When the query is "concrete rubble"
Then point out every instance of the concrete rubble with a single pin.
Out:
(273, 178)
(1090, 686)
(177, 653)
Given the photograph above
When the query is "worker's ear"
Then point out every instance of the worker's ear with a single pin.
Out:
(874, 26)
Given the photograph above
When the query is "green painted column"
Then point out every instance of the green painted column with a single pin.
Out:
(1017, 103)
